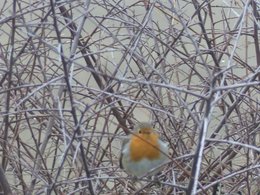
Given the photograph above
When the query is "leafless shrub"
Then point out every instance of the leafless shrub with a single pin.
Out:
(75, 77)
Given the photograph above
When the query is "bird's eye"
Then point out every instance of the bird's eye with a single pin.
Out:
(140, 131)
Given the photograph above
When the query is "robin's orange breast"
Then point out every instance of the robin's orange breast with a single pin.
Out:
(144, 146)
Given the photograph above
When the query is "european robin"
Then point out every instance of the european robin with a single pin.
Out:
(143, 152)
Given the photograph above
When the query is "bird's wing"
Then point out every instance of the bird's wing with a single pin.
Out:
(125, 141)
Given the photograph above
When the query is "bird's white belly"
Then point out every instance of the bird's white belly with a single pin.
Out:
(142, 167)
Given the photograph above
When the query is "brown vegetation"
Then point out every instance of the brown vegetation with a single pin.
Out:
(75, 77)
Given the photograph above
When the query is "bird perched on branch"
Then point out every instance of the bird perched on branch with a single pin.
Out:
(143, 152)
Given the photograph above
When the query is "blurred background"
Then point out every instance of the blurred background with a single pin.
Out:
(76, 76)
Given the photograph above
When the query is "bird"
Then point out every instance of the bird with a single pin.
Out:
(143, 153)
